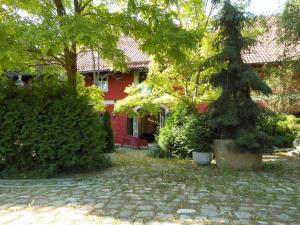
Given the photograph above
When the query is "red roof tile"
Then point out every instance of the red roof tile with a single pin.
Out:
(265, 50)
(135, 57)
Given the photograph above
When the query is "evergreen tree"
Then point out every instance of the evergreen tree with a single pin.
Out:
(110, 142)
(234, 114)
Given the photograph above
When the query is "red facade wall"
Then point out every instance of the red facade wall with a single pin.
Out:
(116, 86)
(118, 123)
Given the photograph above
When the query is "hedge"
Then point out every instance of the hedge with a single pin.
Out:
(49, 127)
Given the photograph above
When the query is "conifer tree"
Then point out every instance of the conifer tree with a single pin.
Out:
(234, 115)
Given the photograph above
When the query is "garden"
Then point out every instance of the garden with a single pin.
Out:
(231, 163)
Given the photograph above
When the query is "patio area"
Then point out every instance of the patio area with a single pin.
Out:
(143, 190)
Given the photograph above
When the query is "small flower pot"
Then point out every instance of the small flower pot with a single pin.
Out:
(202, 158)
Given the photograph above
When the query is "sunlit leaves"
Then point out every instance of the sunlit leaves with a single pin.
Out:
(290, 22)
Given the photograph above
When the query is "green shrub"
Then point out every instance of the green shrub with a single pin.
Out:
(200, 135)
(183, 133)
(282, 128)
(110, 142)
(157, 152)
(49, 127)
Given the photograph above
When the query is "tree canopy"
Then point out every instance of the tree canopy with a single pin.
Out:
(52, 33)
(290, 22)
(179, 72)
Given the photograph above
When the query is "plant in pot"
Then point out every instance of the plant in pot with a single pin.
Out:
(234, 115)
(201, 139)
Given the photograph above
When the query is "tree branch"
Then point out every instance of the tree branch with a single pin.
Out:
(60, 9)
(82, 7)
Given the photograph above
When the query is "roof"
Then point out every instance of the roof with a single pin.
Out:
(135, 57)
(265, 50)
(268, 50)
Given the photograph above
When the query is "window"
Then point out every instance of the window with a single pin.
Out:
(102, 83)
(129, 126)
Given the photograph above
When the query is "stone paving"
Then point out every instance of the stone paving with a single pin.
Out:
(140, 190)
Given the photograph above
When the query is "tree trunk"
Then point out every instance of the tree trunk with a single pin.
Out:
(71, 65)
(69, 53)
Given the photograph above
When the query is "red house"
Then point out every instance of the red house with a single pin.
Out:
(113, 84)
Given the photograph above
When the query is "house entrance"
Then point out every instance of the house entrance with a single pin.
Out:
(146, 127)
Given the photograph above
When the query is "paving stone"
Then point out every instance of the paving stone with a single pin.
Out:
(168, 223)
(283, 217)
(242, 215)
(186, 211)
(125, 214)
(145, 207)
(262, 222)
(209, 212)
(165, 209)
(99, 205)
(163, 216)
(113, 206)
(145, 214)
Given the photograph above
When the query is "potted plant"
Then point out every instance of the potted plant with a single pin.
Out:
(201, 140)
(234, 115)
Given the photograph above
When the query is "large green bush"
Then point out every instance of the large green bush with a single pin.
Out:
(49, 127)
(183, 133)
(282, 128)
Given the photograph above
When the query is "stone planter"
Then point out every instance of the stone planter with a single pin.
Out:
(202, 158)
(227, 156)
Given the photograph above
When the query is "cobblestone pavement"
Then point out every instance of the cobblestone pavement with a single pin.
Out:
(142, 190)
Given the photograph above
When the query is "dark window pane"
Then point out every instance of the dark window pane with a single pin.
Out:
(130, 126)
(142, 77)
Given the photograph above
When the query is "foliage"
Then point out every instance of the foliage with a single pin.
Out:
(282, 127)
(289, 22)
(283, 80)
(54, 32)
(109, 139)
(93, 92)
(12, 54)
(147, 99)
(57, 29)
(234, 114)
(179, 70)
(201, 137)
(185, 131)
(49, 127)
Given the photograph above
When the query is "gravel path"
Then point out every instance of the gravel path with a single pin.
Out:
(142, 190)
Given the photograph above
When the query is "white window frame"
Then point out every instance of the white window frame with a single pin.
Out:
(99, 82)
